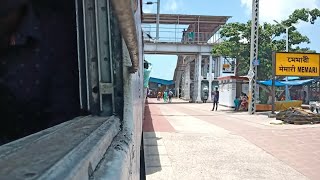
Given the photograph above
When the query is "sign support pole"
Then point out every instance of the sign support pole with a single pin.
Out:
(273, 91)
(253, 56)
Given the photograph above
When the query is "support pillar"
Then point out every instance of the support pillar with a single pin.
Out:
(195, 80)
(178, 92)
(186, 83)
(183, 82)
(177, 85)
(210, 78)
(199, 59)
(205, 68)
(217, 69)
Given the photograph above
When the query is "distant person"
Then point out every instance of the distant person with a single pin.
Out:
(191, 36)
(165, 96)
(170, 96)
(304, 100)
(205, 97)
(244, 102)
(184, 35)
(215, 99)
(269, 99)
(236, 103)
(159, 96)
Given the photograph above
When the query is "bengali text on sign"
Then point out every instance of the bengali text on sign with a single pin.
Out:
(297, 64)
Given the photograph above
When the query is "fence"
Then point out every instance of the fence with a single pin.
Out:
(180, 35)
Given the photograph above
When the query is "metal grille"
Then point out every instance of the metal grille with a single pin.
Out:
(95, 57)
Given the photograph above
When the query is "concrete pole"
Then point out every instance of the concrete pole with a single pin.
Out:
(287, 39)
(287, 93)
(273, 84)
(158, 19)
(287, 49)
(210, 77)
(199, 79)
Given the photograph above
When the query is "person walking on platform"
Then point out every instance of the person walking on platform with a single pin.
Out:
(159, 96)
(215, 99)
(165, 96)
(170, 96)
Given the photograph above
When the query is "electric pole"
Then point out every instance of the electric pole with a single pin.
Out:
(252, 74)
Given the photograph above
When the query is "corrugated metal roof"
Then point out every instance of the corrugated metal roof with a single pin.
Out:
(206, 23)
(184, 19)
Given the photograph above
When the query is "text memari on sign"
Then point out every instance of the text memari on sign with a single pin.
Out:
(297, 64)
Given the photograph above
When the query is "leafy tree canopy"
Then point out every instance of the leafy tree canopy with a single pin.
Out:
(236, 42)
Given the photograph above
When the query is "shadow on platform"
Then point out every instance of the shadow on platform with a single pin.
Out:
(150, 142)
(160, 103)
(169, 115)
(232, 111)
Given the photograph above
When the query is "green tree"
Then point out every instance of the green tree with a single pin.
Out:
(236, 42)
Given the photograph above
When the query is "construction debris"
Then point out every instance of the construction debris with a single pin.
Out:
(298, 116)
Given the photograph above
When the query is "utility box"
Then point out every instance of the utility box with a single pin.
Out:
(231, 87)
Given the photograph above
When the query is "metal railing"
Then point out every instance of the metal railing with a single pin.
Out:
(180, 35)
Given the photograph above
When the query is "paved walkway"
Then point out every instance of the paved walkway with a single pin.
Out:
(188, 141)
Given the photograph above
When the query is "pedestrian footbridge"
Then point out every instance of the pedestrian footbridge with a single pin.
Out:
(181, 34)
(176, 48)
(191, 38)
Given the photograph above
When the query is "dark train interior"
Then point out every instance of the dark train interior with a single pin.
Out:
(39, 79)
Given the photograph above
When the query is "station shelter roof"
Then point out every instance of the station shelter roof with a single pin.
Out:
(161, 81)
(206, 23)
(288, 83)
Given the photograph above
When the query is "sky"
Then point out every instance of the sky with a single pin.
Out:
(163, 66)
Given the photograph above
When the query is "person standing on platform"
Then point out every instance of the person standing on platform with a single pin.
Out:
(215, 99)
(191, 36)
(170, 96)
(184, 38)
(205, 97)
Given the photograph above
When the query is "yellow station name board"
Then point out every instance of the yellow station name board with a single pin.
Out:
(297, 64)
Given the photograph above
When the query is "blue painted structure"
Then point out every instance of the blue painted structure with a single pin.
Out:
(284, 83)
(161, 81)
(290, 78)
